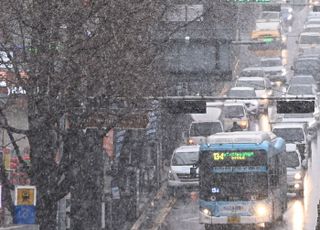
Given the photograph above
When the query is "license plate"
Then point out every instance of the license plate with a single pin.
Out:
(233, 219)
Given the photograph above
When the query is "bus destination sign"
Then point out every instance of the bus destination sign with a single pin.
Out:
(235, 156)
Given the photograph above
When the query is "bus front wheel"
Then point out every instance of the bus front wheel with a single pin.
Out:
(208, 227)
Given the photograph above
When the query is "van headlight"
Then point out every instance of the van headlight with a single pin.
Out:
(190, 142)
(243, 124)
(170, 175)
(283, 72)
(297, 176)
(206, 211)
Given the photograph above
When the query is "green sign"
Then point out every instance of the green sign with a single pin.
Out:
(268, 39)
(235, 156)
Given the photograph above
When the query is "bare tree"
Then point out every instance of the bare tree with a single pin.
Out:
(62, 53)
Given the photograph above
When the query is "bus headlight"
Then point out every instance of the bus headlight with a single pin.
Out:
(206, 211)
(261, 210)
(243, 124)
(297, 176)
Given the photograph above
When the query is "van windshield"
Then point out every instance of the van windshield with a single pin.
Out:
(271, 62)
(205, 129)
(185, 158)
(256, 84)
(242, 93)
(290, 135)
(233, 111)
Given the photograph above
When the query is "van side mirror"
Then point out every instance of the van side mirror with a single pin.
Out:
(193, 171)
(304, 164)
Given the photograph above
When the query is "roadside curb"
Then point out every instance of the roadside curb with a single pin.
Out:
(150, 204)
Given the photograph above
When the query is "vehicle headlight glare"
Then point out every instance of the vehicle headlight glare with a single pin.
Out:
(170, 175)
(190, 142)
(243, 124)
(297, 176)
(296, 186)
(278, 83)
(290, 17)
(261, 210)
(283, 72)
(206, 212)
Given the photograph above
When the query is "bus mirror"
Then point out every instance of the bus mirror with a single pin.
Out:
(274, 180)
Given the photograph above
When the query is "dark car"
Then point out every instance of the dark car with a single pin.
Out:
(307, 65)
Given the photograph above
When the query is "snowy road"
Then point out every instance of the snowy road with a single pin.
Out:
(301, 213)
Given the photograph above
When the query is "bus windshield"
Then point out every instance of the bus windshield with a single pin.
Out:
(234, 175)
(233, 111)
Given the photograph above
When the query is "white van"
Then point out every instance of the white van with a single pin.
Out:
(293, 133)
(235, 112)
(182, 167)
(200, 130)
(296, 168)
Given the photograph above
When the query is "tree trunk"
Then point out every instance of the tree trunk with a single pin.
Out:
(86, 194)
(43, 168)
